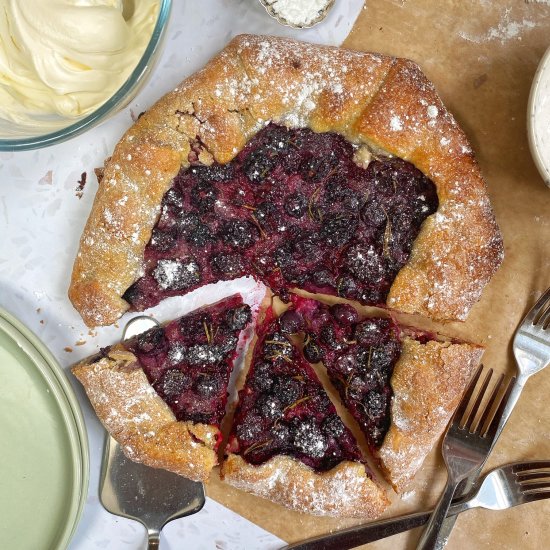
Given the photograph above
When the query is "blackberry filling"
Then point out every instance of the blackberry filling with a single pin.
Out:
(284, 410)
(293, 209)
(188, 362)
(359, 357)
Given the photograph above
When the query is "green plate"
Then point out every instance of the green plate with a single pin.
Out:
(44, 447)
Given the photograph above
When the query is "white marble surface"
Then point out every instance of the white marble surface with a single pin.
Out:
(41, 219)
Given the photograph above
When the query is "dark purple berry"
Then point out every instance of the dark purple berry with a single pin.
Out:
(152, 341)
(177, 274)
(238, 318)
(296, 205)
(291, 322)
(175, 382)
(239, 233)
(345, 314)
(313, 352)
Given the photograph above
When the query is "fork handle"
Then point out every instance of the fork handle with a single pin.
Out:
(352, 537)
(430, 536)
(153, 539)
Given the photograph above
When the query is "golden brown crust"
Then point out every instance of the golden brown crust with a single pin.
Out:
(141, 422)
(370, 99)
(428, 382)
(344, 491)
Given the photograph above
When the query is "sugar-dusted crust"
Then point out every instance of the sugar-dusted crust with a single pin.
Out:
(141, 422)
(428, 382)
(344, 491)
(373, 100)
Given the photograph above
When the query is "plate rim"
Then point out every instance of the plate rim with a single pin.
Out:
(52, 372)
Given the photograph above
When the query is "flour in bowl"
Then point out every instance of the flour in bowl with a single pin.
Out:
(298, 12)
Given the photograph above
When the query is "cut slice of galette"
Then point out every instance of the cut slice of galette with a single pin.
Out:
(304, 166)
(401, 385)
(162, 394)
(288, 444)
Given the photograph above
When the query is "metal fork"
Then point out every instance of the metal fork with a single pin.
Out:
(532, 352)
(502, 488)
(466, 445)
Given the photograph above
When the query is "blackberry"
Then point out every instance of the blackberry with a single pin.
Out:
(203, 196)
(239, 233)
(238, 318)
(296, 205)
(177, 274)
(229, 265)
(338, 229)
(313, 352)
(174, 382)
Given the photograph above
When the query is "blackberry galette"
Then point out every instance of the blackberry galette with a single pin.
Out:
(400, 384)
(288, 444)
(162, 394)
(304, 166)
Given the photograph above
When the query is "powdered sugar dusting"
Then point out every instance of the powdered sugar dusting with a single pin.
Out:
(344, 491)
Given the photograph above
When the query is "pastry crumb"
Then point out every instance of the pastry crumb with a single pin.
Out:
(68, 349)
(81, 184)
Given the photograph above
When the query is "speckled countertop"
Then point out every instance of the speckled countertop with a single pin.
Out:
(42, 216)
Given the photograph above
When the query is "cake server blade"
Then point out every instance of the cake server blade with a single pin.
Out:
(149, 495)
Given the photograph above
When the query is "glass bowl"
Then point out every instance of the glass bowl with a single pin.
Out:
(18, 138)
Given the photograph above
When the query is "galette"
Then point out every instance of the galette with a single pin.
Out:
(162, 395)
(400, 384)
(304, 166)
(287, 442)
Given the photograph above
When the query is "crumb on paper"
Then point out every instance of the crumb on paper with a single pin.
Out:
(80, 342)
(81, 184)
(38, 309)
(41, 321)
(68, 349)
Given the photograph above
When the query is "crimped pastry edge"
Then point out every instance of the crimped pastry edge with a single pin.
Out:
(427, 382)
(145, 427)
(344, 491)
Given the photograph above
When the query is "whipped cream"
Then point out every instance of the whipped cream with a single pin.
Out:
(67, 57)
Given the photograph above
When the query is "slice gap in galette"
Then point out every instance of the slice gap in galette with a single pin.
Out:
(289, 445)
(304, 166)
(162, 395)
(400, 384)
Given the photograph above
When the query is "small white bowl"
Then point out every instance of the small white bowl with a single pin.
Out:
(538, 118)
(320, 17)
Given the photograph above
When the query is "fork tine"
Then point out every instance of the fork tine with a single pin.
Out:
(542, 486)
(533, 313)
(463, 405)
(491, 430)
(529, 476)
(535, 465)
(469, 423)
(543, 319)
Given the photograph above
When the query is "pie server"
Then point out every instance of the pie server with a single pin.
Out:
(135, 491)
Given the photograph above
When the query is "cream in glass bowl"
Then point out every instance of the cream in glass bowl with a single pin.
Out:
(66, 65)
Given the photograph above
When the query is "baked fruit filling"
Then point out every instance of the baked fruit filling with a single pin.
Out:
(359, 357)
(284, 410)
(293, 209)
(189, 361)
